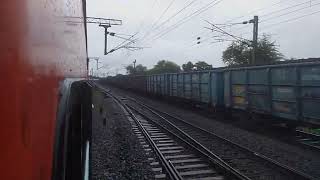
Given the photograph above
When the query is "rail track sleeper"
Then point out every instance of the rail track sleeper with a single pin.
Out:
(191, 166)
(213, 158)
(171, 151)
(173, 174)
(157, 169)
(167, 144)
(154, 163)
(180, 156)
(159, 139)
(284, 167)
(165, 141)
(158, 133)
(209, 178)
(170, 148)
(160, 176)
(218, 161)
(170, 170)
(271, 161)
(198, 172)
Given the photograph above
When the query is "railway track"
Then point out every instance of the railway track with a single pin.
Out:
(253, 165)
(308, 139)
(243, 162)
(185, 160)
(177, 156)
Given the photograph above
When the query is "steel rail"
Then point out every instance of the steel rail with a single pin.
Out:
(171, 171)
(214, 159)
(300, 174)
(309, 139)
(203, 151)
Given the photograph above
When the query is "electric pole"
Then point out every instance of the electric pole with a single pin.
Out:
(255, 22)
(134, 66)
(97, 63)
(106, 26)
(97, 60)
(103, 22)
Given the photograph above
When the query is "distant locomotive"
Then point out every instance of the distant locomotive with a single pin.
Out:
(290, 90)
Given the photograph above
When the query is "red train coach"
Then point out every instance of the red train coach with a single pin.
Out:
(39, 51)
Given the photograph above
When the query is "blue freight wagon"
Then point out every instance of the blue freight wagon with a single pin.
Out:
(290, 91)
(202, 87)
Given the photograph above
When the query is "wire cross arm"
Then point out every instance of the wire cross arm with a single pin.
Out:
(93, 20)
(218, 29)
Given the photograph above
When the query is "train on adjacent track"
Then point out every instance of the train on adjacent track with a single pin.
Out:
(286, 91)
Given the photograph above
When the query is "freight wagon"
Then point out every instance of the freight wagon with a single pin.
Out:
(200, 87)
(135, 83)
(288, 91)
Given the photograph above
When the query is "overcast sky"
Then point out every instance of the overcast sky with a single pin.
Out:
(296, 38)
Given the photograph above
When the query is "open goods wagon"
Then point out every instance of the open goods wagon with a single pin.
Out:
(203, 87)
(290, 91)
(136, 83)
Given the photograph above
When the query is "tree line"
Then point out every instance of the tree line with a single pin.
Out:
(165, 66)
(237, 53)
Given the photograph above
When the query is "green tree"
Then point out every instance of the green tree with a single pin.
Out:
(188, 66)
(139, 70)
(201, 65)
(239, 53)
(164, 66)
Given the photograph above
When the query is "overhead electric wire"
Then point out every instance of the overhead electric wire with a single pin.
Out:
(221, 40)
(126, 41)
(160, 17)
(274, 17)
(163, 13)
(212, 38)
(285, 21)
(124, 34)
(225, 32)
(177, 13)
(291, 12)
(186, 19)
(292, 19)
(209, 38)
(170, 18)
(290, 7)
(257, 10)
(221, 25)
(143, 20)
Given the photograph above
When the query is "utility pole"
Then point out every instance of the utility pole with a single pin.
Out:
(255, 22)
(134, 66)
(91, 72)
(106, 26)
(97, 63)
(97, 60)
(103, 22)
